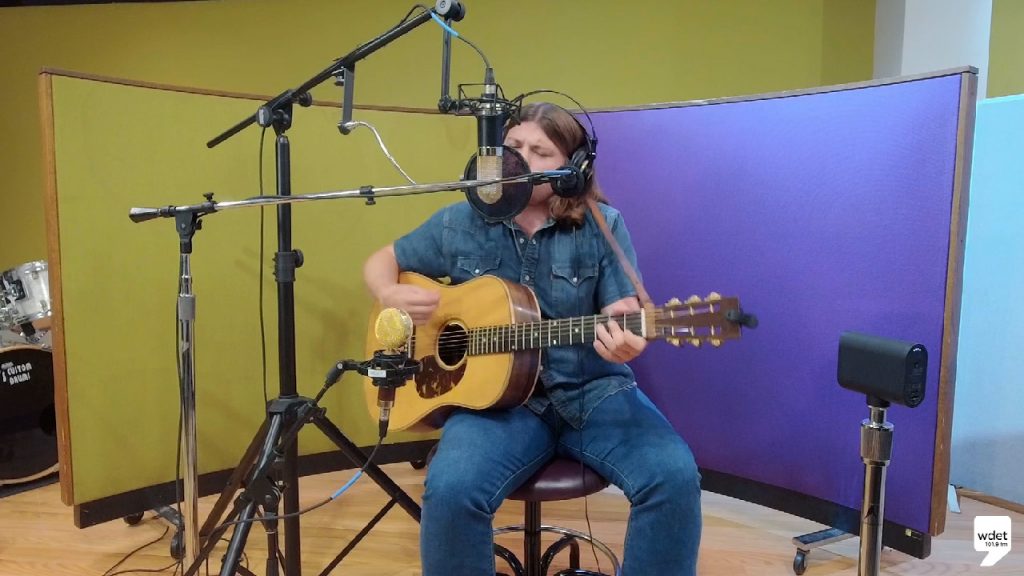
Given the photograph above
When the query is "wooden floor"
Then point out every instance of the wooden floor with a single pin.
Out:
(38, 537)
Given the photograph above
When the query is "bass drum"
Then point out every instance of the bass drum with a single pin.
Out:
(28, 427)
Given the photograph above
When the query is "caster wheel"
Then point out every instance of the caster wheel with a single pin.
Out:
(800, 562)
(418, 464)
(178, 545)
(133, 519)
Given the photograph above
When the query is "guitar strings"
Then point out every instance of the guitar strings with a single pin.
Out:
(560, 324)
(560, 327)
(459, 341)
(557, 326)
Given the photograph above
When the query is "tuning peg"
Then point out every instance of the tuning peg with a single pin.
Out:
(715, 342)
(696, 342)
(693, 299)
(673, 302)
(713, 297)
(674, 341)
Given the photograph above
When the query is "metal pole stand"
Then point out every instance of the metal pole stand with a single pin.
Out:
(875, 451)
(187, 223)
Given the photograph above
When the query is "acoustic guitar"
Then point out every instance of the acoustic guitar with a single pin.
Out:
(482, 348)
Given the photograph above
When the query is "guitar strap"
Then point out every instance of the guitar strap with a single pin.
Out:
(645, 299)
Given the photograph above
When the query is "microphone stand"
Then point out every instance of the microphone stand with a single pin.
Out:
(187, 223)
(275, 440)
(288, 411)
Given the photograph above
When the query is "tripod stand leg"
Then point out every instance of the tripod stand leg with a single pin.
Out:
(358, 537)
(257, 477)
(238, 538)
(272, 543)
(349, 449)
(208, 545)
(210, 532)
(292, 545)
(235, 481)
(256, 481)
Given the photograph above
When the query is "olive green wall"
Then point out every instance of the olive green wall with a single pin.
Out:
(1006, 49)
(604, 52)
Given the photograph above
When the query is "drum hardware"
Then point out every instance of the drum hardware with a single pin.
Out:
(25, 301)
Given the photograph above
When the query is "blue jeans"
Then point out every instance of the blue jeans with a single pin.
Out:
(483, 456)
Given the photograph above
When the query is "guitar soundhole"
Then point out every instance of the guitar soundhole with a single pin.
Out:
(452, 344)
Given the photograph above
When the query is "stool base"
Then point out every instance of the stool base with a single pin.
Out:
(540, 566)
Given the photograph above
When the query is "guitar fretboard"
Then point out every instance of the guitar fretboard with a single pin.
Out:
(546, 333)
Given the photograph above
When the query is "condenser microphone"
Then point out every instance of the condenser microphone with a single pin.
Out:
(392, 329)
(500, 201)
(491, 114)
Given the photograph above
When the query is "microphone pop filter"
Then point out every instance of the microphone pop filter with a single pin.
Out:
(502, 201)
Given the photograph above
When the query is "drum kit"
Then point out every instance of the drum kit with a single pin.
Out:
(28, 439)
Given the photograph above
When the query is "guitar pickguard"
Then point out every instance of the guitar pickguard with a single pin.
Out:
(435, 380)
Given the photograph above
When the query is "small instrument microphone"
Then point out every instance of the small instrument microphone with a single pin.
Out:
(393, 329)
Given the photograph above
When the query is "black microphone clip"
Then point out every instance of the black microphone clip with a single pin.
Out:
(388, 370)
(450, 10)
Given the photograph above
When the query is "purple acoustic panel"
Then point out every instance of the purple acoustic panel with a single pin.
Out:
(823, 212)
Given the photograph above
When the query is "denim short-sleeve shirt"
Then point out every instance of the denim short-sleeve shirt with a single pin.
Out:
(572, 271)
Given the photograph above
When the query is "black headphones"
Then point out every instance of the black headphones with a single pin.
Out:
(581, 161)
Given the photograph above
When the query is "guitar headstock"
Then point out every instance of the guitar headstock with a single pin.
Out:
(713, 319)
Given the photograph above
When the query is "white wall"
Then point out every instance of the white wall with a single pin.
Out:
(889, 17)
(916, 36)
(988, 412)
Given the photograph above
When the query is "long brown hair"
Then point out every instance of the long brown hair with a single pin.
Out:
(565, 132)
